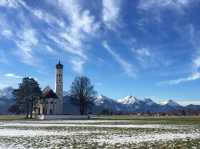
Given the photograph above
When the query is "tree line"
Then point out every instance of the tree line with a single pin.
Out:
(29, 93)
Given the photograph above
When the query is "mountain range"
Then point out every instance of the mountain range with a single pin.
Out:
(132, 105)
(103, 104)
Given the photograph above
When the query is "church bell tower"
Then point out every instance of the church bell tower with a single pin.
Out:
(59, 88)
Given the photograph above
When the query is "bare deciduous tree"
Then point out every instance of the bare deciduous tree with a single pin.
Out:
(83, 93)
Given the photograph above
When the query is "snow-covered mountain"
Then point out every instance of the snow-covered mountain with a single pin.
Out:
(6, 92)
(101, 103)
(129, 100)
(6, 99)
(149, 101)
(131, 104)
(172, 103)
(105, 103)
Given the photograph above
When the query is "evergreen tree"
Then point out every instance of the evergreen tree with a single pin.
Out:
(27, 95)
(82, 93)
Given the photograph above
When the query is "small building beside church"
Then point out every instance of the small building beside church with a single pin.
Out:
(47, 105)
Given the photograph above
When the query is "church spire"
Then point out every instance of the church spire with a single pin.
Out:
(59, 87)
(59, 65)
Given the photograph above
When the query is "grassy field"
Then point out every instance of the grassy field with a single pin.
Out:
(11, 117)
(101, 132)
(154, 120)
(131, 118)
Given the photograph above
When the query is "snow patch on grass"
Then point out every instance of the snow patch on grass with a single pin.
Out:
(138, 138)
(158, 126)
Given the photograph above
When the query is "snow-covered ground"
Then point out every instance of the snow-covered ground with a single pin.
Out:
(98, 124)
(96, 133)
(143, 137)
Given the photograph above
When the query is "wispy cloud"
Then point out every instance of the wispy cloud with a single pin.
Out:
(127, 67)
(72, 36)
(7, 33)
(50, 50)
(69, 31)
(192, 77)
(146, 56)
(192, 35)
(143, 52)
(9, 3)
(12, 75)
(81, 26)
(77, 65)
(22, 35)
(44, 16)
(156, 8)
(195, 75)
(159, 4)
(111, 12)
(26, 41)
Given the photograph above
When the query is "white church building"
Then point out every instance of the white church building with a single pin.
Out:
(51, 103)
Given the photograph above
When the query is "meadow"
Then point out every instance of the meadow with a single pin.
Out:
(101, 132)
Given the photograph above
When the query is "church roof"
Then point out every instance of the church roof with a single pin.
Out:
(49, 93)
(59, 65)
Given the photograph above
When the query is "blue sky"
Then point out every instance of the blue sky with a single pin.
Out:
(145, 48)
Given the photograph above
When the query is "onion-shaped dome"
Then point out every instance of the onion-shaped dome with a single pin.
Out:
(59, 65)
